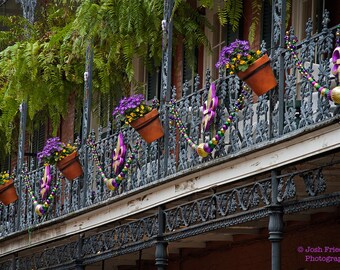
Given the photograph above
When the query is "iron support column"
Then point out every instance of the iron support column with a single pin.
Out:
(79, 261)
(14, 262)
(21, 152)
(275, 226)
(28, 7)
(167, 25)
(161, 253)
(87, 115)
(87, 93)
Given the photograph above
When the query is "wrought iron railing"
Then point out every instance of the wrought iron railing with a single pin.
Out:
(256, 125)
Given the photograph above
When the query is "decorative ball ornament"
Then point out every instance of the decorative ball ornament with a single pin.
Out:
(39, 210)
(200, 150)
(111, 185)
(335, 95)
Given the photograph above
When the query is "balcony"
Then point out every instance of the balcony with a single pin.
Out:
(264, 135)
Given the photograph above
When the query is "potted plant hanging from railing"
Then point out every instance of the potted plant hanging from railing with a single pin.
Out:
(8, 193)
(142, 117)
(65, 157)
(250, 66)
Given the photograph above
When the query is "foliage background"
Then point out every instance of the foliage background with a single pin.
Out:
(43, 63)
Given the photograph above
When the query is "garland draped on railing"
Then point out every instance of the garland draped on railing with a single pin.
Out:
(41, 208)
(113, 183)
(204, 149)
(330, 94)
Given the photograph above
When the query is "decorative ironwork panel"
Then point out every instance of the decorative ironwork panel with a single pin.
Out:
(218, 205)
(121, 236)
(286, 188)
(8, 265)
(221, 150)
(314, 181)
(262, 130)
(49, 258)
(306, 89)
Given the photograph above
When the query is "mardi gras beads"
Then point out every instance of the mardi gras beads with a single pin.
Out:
(42, 207)
(204, 149)
(113, 183)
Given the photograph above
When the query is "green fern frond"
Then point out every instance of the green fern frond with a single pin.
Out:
(234, 9)
(256, 7)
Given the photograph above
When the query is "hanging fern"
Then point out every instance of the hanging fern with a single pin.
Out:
(44, 62)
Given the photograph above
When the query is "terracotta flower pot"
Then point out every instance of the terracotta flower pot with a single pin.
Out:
(8, 194)
(70, 166)
(259, 76)
(149, 126)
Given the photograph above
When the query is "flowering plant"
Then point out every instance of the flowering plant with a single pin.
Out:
(55, 150)
(131, 108)
(4, 178)
(237, 56)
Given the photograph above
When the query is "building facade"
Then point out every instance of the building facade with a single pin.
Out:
(266, 197)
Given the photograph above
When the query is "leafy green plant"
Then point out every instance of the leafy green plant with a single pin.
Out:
(231, 11)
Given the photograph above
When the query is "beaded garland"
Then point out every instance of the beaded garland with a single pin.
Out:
(204, 149)
(324, 91)
(113, 183)
(41, 208)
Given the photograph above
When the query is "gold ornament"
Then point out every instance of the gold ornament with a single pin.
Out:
(109, 184)
(200, 151)
(335, 95)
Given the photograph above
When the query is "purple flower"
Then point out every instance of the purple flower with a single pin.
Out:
(132, 104)
(54, 150)
(127, 103)
(237, 56)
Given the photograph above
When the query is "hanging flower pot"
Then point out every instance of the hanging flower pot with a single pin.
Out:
(142, 117)
(149, 126)
(253, 67)
(70, 166)
(259, 76)
(63, 155)
(8, 193)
